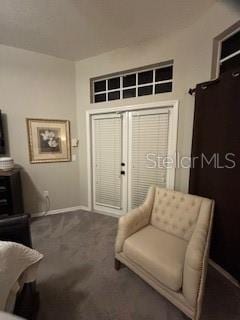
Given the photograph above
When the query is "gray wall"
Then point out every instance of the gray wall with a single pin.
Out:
(39, 86)
(191, 50)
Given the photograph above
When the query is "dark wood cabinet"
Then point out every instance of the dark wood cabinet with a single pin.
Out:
(11, 201)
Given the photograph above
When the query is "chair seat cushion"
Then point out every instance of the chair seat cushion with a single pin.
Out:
(159, 253)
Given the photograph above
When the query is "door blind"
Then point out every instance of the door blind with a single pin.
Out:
(107, 161)
(149, 145)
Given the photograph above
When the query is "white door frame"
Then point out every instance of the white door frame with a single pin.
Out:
(173, 107)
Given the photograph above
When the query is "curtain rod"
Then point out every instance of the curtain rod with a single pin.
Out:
(204, 85)
(191, 91)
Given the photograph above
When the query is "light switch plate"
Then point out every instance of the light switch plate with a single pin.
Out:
(74, 142)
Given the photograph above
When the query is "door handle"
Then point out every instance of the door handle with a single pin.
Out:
(123, 164)
(123, 172)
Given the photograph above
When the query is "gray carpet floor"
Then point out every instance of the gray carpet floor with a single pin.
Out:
(77, 279)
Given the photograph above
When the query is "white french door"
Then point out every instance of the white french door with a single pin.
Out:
(131, 152)
(148, 147)
(108, 163)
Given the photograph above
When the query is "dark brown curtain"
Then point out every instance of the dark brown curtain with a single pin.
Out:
(216, 140)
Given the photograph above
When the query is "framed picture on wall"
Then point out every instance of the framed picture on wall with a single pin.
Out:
(48, 140)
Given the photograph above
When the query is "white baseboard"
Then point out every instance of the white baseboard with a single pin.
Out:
(71, 209)
(224, 273)
(57, 211)
(85, 208)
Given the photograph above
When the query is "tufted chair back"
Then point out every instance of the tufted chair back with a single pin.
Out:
(175, 212)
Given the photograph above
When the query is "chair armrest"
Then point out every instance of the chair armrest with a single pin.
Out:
(196, 258)
(134, 220)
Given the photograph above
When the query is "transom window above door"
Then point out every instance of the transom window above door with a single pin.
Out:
(149, 80)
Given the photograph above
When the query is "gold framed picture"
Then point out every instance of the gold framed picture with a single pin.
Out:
(48, 140)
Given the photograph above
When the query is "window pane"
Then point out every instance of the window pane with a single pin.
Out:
(230, 45)
(100, 86)
(230, 64)
(143, 91)
(163, 87)
(129, 93)
(145, 77)
(114, 83)
(132, 83)
(100, 97)
(129, 80)
(114, 95)
(164, 74)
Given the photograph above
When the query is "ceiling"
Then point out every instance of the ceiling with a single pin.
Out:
(77, 29)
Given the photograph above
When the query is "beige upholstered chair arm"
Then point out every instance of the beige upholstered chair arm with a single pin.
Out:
(197, 254)
(134, 220)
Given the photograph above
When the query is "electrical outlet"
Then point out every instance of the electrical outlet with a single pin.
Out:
(45, 194)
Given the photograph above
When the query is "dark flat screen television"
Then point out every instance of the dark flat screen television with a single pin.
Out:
(2, 141)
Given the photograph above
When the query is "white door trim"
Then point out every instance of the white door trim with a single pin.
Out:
(171, 104)
(150, 105)
(172, 146)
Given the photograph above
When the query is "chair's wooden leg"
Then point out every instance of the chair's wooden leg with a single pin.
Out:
(117, 264)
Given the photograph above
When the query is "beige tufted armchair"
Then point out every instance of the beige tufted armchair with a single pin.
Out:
(166, 242)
